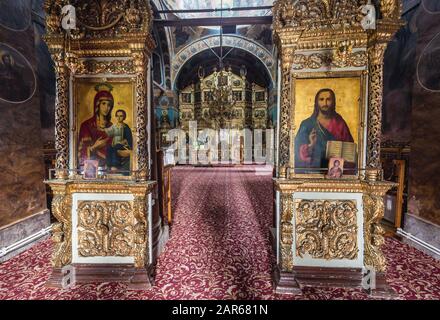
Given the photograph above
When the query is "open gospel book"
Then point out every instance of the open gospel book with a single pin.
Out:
(340, 149)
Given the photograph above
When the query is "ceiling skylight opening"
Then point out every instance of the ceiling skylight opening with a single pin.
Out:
(197, 9)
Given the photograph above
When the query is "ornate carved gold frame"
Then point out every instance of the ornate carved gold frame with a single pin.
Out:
(303, 25)
(362, 75)
(75, 129)
(118, 42)
(112, 40)
(320, 35)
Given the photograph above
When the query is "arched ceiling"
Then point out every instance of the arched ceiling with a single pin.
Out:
(238, 43)
(256, 71)
(191, 46)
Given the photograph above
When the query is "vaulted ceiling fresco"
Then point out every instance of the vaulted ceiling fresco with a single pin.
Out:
(183, 36)
(256, 70)
(216, 4)
(256, 39)
(191, 47)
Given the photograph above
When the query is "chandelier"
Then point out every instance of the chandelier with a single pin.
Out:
(221, 99)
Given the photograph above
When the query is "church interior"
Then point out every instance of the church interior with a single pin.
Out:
(219, 150)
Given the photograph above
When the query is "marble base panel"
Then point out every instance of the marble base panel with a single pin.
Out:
(425, 231)
(23, 229)
(135, 278)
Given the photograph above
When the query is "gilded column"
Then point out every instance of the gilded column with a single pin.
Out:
(61, 115)
(286, 234)
(61, 230)
(285, 111)
(140, 62)
(373, 231)
(378, 40)
(391, 9)
(141, 247)
(375, 90)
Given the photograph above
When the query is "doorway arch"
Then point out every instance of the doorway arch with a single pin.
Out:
(232, 41)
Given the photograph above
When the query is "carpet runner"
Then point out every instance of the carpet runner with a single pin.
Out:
(219, 249)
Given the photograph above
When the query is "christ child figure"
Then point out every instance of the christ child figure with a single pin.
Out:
(122, 142)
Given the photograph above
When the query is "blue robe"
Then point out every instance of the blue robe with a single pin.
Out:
(113, 159)
(318, 155)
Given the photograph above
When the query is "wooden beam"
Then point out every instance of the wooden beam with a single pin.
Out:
(214, 21)
(215, 9)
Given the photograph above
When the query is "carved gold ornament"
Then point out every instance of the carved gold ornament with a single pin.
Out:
(113, 38)
(316, 221)
(316, 14)
(337, 59)
(375, 89)
(105, 228)
(326, 229)
(105, 18)
(62, 230)
(140, 59)
(391, 9)
(373, 232)
(342, 54)
(285, 110)
(286, 241)
(141, 247)
(93, 67)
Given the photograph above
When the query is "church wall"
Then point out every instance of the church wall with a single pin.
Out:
(399, 67)
(425, 129)
(46, 76)
(22, 192)
(411, 113)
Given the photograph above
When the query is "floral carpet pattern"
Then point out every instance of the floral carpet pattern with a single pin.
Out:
(219, 248)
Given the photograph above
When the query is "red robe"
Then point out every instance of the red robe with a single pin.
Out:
(88, 135)
(337, 127)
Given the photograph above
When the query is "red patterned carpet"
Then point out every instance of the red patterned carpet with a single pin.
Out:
(219, 249)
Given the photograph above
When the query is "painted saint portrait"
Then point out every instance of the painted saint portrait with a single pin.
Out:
(16, 15)
(336, 168)
(106, 134)
(325, 133)
(90, 169)
(17, 76)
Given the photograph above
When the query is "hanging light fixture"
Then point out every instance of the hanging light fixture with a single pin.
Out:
(221, 100)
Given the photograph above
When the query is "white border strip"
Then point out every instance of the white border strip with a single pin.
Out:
(336, 263)
(23, 242)
(418, 241)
